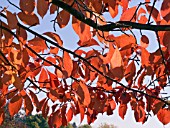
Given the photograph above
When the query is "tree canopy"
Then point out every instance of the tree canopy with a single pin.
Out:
(112, 65)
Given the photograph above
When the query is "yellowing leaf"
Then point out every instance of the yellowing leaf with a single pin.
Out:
(29, 19)
(42, 7)
(128, 15)
(82, 30)
(27, 6)
(83, 94)
(164, 116)
(12, 20)
(15, 105)
(144, 41)
(67, 64)
(63, 18)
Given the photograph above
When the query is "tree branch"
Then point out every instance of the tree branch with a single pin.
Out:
(110, 26)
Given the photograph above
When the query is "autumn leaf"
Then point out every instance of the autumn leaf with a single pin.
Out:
(88, 43)
(155, 13)
(63, 18)
(129, 15)
(165, 10)
(12, 20)
(82, 30)
(122, 110)
(17, 82)
(27, 6)
(28, 105)
(43, 77)
(42, 7)
(28, 19)
(67, 64)
(164, 116)
(144, 42)
(2, 116)
(83, 94)
(130, 72)
(69, 114)
(15, 105)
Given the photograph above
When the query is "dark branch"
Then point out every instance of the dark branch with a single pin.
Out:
(109, 26)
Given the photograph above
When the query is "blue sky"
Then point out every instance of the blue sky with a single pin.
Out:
(70, 38)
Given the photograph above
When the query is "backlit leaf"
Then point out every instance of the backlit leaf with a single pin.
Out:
(155, 13)
(69, 115)
(144, 41)
(43, 77)
(129, 15)
(83, 93)
(28, 19)
(28, 105)
(27, 6)
(164, 116)
(63, 18)
(2, 116)
(42, 7)
(122, 110)
(55, 37)
(67, 63)
(165, 9)
(88, 43)
(12, 20)
(15, 105)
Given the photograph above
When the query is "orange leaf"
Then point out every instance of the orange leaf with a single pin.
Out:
(22, 34)
(53, 8)
(82, 111)
(29, 19)
(15, 105)
(155, 13)
(113, 8)
(42, 7)
(67, 64)
(43, 77)
(18, 83)
(51, 59)
(128, 15)
(140, 114)
(12, 20)
(45, 109)
(55, 37)
(116, 64)
(2, 116)
(157, 106)
(144, 41)
(164, 116)
(83, 93)
(88, 43)
(122, 110)
(130, 72)
(165, 10)
(69, 115)
(27, 6)
(54, 50)
(63, 18)
(82, 29)
(34, 99)
(144, 57)
(28, 105)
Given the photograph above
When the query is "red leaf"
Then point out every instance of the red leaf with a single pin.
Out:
(88, 43)
(144, 41)
(130, 72)
(164, 116)
(28, 105)
(122, 110)
(69, 115)
(45, 109)
(165, 9)
(34, 99)
(82, 29)
(2, 116)
(83, 93)
(113, 8)
(43, 77)
(140, 114)
(42, 7)
(51, 59)
(29, 19)
(155, 13)
(55, 37)
(128, 15)
(27, 6)
(116, 64)
(144, 57)
(12, 20)
(63, 18)
(67, 64)
(53, 8)
(18, 83)
(15, 105)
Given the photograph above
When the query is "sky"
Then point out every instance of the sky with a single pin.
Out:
(69, 38)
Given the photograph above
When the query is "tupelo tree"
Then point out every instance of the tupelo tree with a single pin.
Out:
(111, 67)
